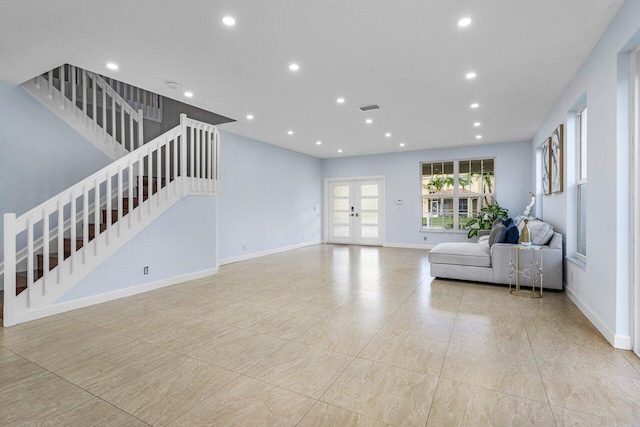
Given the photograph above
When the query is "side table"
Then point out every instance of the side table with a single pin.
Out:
(531, 268)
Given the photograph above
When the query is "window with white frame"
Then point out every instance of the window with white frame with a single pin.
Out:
(454, 192)
(581, 183)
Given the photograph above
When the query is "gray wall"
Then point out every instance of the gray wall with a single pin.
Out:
(40, 155)
(402, 172)
(171, 110)
(267, 199)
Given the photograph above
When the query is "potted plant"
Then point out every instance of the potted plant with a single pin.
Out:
(484, 219)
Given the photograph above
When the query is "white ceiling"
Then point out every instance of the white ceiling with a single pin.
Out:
(407, 55)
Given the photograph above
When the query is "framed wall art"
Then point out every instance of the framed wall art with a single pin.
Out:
(546, 169)
(556, 150)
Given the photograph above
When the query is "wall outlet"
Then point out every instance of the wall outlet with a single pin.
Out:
(572, 277)
(314, 208)
(146, 270)
(244, 247)
(425, 238)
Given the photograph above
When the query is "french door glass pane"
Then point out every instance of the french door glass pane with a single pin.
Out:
(369, 217)
(341, 204)
(341, 191)
(369, 204)
(369, 190)
(341, 217)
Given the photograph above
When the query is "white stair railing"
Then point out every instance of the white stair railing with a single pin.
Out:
(85, 224)
(140, 99)
(90, 105)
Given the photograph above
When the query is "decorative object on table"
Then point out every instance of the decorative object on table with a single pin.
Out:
(529, 208)
(525, 235)
(484, 220)
(525, 231)
(556, 151)
(546, 168)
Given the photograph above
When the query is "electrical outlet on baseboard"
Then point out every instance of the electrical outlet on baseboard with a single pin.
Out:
(146, 269)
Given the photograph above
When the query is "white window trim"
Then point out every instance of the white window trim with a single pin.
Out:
(580, 180)
(456, 182)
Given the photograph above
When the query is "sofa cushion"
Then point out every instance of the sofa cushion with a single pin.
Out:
(508, 234)
(541, 232)
(495, 232)
(461, 253)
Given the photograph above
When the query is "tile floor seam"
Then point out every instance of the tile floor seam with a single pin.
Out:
(81, 388)
(455, 320)
(544, 384)
(357, 357)
(634, 366)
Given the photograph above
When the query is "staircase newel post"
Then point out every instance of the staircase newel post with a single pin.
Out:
(183, 152)
(9, 269)
(140, 125)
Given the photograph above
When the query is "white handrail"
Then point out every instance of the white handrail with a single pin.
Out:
(89, 92)
(146, 181)
(149, 102)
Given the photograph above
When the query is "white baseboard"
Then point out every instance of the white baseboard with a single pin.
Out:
(408, 246)
(110, 296)
(618, 341)
(268, 252)
(623, 342)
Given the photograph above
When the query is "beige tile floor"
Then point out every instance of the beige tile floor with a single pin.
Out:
(321, 336)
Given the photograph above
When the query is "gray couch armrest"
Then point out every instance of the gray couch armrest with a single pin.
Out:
(483, 233)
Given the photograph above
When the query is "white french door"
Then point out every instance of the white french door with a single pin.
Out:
(355, 211)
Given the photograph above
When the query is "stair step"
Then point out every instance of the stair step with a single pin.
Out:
(114, 215)
(92, 230)
(125, 202)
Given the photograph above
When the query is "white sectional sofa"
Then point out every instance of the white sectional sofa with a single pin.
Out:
(480, 262)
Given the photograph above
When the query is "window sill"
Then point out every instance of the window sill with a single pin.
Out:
(450, 231)
(578, 262)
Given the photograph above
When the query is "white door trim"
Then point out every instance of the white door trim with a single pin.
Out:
(635, 186)
(383, 206)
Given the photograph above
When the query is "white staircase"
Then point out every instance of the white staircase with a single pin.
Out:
(49, 249)
(92, 107)
(139, 99)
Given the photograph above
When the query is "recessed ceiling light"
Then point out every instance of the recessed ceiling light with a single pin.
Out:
(388, 134)
(478, 136)
(294, 67)
(475, 105)
(249, 116)
(471, 75)
(172, 85)
(464, 22)
(229, 21)
(290, 132)
(476, 124)
(368, 121)
(340, 151)
(402, 144)
(188, 94)
(112, 66)
(340, 100)
(318, 142)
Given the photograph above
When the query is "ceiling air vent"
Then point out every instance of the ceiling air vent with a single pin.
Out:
(369, 107)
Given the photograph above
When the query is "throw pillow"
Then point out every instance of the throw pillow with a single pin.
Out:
(495, 232)
(509, 234)
(541, 232)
